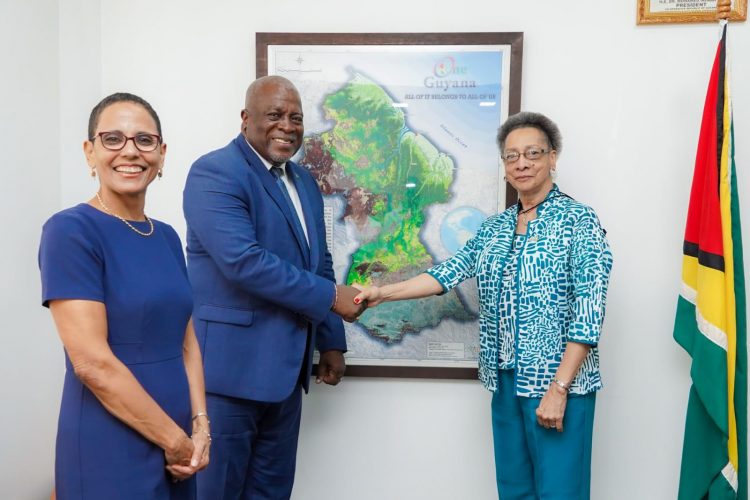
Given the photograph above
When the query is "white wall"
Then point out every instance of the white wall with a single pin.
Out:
(30, 363)
(628, 100)
(42, 73)
(80, 90)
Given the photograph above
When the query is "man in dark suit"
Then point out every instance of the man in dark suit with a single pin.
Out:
(264, 292)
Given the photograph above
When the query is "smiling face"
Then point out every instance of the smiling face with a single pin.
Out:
(127, 172)
(272, 120)
(529, 177)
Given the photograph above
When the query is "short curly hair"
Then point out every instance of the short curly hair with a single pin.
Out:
(113, 99)
(526, 119)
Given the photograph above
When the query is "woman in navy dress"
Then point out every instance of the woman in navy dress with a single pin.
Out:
(133, 421)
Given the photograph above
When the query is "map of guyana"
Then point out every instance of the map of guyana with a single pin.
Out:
(389, 175)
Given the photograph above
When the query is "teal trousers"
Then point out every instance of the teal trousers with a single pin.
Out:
(534, 463)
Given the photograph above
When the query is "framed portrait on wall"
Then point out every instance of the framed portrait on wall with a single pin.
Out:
(400, 135)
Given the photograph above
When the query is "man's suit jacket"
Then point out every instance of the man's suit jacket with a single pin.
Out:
(262, 297)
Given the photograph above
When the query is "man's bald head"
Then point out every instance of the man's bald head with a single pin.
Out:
(261, 83)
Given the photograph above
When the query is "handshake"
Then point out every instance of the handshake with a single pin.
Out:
(351, 302)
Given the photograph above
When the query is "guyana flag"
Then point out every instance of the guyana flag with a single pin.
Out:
(710, 323)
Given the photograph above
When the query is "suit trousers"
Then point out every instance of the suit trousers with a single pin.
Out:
(254, 448)
(534, 463)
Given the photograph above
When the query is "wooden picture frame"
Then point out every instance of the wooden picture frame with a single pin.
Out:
(685, 11)
(299, 55)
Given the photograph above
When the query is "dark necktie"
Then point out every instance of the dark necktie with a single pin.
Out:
(278, 172)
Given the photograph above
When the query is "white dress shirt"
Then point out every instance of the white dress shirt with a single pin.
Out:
(289, 187)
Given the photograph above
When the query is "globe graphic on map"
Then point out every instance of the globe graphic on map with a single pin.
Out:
(459, 225)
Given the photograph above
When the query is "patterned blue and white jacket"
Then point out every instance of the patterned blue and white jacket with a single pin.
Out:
(562, 279)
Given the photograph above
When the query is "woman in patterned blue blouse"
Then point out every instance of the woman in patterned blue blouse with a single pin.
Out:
(542, 268)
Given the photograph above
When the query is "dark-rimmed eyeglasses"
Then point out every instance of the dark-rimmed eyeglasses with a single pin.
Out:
(115, 141)
(530, 154)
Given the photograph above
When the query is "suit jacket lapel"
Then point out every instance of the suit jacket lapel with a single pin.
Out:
(269, 184)
(307, 210)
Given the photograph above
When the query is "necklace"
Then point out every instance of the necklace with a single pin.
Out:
(131, 226)
(523, 213)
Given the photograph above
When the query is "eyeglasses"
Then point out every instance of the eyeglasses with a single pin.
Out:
(530, 154)
(116, 140)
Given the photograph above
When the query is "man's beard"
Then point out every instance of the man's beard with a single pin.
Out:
(281, 158)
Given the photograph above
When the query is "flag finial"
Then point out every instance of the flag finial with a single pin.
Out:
(723, 9)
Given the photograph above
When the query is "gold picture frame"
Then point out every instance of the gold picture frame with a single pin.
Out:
(685, 11)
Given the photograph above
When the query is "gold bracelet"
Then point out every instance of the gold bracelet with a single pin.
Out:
(201, 414)
(565, 387)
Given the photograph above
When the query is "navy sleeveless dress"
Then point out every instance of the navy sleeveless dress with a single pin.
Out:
(90, 255)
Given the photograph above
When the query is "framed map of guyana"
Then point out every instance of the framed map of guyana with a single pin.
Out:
(400, 136)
